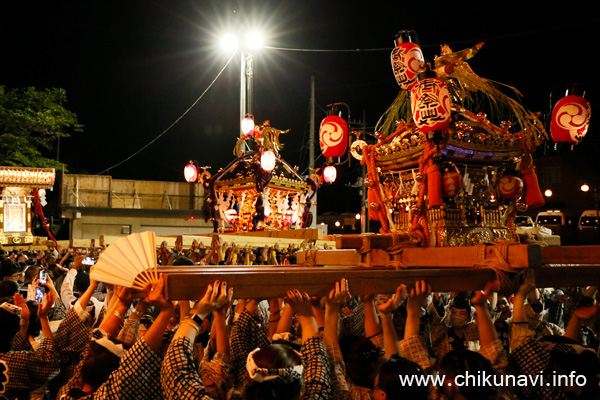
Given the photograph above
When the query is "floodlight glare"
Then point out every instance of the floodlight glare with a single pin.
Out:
(254, 40)
(229, 42)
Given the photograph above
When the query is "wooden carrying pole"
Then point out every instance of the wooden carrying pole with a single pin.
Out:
(445, 269)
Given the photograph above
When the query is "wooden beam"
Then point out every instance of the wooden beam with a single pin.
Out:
(257, 239)
(568, 276)
(519, 256)
(268, 283)
(571, 255)
(274, 281)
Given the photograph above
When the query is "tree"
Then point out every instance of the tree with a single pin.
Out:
(31, 123)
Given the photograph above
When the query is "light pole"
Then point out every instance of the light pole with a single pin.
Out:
(252, 41)
(246, 83)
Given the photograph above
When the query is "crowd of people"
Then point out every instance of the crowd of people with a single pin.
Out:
(82, 339)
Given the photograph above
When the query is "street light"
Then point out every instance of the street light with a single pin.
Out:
(251, 41)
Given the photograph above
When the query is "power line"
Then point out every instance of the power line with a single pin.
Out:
(175, 122)
(295, 50)
(326, 50)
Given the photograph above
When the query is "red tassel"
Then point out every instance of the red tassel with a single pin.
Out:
(434, 186)
(533, 194)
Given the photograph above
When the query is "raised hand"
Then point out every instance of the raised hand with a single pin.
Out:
(418, 295)
(225, 301)
(216, 296)
(46, 305)
(481, 297)
(300, 302)
(339, 295)
(528, 284)
(20, 302)
(395, 301)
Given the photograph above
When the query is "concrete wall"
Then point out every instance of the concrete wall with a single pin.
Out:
(100, 205)
(93, 226)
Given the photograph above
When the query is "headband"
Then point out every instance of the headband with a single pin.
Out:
(266, 374)
(286, 336)
(11, 308)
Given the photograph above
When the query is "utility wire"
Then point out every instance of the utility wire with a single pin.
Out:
(326, 50)
(175, 122)
(271, 48)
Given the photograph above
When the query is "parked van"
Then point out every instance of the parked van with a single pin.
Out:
(588, 227)
(559, 223)
(524, 221)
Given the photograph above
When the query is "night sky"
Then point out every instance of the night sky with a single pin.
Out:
(133, 68)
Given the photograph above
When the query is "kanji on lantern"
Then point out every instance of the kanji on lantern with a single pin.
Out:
(407, 63)
(430, 104)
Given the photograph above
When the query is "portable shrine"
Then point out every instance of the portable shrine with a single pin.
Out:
(23, 191)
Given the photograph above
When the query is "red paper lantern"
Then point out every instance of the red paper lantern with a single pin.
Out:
(430, 104)
(333, 135)
(510, 187)
(570, 119)
(190, 172)
(451, 184)
(407, 63)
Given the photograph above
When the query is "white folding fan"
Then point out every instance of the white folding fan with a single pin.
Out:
(130, 261)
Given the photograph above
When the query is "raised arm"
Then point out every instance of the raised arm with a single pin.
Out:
(179, 376)
(528, 285)
(301, 304)
(221, 329)
(216, 296)
(372, 324)
(390, 337)
(416, 300)
(338, 296)
(485, 325)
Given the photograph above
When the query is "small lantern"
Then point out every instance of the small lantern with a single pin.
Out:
(451, 184)
(329, 174)
(510, 187)
(430, 102)
(248, 125)
(333, 135)
(267, 160)
(570, 119)
(42, 197)
(290, 216)
(190, 172)
(230, 215)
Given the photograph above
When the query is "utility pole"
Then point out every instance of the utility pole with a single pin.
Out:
(364, 222)
(311, 146)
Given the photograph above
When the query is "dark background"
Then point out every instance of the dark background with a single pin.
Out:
(132, 68)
